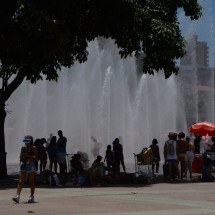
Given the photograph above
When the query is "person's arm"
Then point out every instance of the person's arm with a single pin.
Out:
(22, 155)
(34, 156)
(165, 151)
(158, 153)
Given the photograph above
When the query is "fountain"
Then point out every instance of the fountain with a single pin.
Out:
(104, 97)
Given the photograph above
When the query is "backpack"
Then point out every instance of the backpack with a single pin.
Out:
(170, 148)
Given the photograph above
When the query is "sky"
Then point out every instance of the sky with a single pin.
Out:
(204, 27)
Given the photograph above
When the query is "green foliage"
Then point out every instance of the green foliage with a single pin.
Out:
(38, 37)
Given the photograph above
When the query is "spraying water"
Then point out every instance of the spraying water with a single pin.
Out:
(104, 98)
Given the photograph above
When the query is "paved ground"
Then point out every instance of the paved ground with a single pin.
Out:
(159, 198)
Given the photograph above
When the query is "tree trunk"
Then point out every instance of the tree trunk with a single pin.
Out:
(3, 153)
(5, 94)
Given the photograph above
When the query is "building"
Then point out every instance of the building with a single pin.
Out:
(197, 79)
(197, 53)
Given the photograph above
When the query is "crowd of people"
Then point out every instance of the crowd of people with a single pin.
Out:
(179, 152)
(36, 155)
(109, 165)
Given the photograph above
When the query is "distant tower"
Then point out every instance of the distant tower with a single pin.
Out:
(197, 53)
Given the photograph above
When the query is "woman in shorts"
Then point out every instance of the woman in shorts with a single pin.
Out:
(28, 157)
(189, 157)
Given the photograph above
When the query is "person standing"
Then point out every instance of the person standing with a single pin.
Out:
(170, 156)
(182, 148)
(155, 155)
(118, 156)
(109, 158)
(51, 149)
(189, 156)
(28, 156)
(49, 139)
(197, 141)
(61, 152)
(96, 147)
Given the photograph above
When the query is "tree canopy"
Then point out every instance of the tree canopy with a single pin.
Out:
(40, 36)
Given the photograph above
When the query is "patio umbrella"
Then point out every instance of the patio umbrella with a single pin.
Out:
(203, 128)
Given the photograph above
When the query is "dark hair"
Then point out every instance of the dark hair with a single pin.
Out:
(154, 141)
(181, 135)
(187, 138)
(116, 140)
(99, 157)
(60, 132)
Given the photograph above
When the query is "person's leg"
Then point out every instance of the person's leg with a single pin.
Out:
(189, 166)
(123, 164)
(19, 186)
(31, 177)
(55, 166)
(117, 166)
(180, 164)
(170, 165)
(41, 166)
(21, 182)
(175, 169)
(51, 164)
(44, 165)
(153, 168)
(157, 166)
(184, 168)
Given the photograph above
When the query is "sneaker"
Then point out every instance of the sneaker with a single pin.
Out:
(16, 199)
(31, 199)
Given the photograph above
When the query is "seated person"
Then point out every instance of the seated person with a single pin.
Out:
(97, 170)
(76, 169)
(76, 165)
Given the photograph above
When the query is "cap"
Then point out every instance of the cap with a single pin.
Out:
(27, 139)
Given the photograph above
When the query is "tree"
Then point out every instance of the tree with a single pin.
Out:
(38, 37)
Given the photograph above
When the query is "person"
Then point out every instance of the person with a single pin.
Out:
(96, 147)
(182, 147)
(197, 141)
(61, 152)
(118, 156)
(189, 157)
(49, 139)
(28, 156)
(96, 171)
(51, 149)
(155, 155)
(213, 143)
(206, 167)
(170, 155)
(76, 165)
(76, 168)
(42, 156)
(109, 158)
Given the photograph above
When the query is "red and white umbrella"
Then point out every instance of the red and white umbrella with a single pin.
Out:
(203, 128)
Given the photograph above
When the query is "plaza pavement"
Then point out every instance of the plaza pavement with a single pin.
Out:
(155, 199)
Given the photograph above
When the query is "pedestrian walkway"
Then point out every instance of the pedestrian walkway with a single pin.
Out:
(154, 199)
